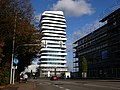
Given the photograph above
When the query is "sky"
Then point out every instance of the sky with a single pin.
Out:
(82, 17)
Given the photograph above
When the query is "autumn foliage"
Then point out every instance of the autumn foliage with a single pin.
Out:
(21, 14)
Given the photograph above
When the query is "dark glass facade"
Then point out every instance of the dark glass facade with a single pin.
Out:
(101, 48)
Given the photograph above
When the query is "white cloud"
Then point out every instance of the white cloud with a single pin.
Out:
(77, 34)
(88, 28)
(69, 45)
(73, 7)
(38, 17)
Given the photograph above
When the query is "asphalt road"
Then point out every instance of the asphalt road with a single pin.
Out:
(45, 84)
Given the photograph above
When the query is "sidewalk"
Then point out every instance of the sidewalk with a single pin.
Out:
(21, 86)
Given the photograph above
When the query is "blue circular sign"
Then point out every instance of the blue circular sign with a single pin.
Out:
(15, 61)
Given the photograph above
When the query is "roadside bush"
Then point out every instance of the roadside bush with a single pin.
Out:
(4, 75)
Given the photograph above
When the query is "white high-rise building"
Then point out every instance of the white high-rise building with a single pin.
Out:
(53, 47)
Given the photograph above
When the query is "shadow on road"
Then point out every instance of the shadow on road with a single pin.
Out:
(10, 88)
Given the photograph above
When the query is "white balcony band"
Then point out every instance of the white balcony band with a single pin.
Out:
(53, 48)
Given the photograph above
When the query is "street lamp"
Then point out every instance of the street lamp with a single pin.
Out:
(11, 74)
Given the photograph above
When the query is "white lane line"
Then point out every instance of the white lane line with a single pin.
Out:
(61, 87)
(47, 83)
(94, 85)
(101, 86)
(67, 89)
(40, 84)
(55, 85)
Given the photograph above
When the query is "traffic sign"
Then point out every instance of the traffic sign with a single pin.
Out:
(15, 61)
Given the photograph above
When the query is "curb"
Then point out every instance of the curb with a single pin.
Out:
(2, 87)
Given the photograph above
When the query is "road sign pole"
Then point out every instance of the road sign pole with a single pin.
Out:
(13, 75)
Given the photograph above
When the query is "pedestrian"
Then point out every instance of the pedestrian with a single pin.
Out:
(64, 77)
(25, 77)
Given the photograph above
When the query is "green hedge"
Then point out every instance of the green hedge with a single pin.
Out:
(4, 75)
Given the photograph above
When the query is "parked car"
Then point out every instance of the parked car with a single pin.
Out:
(54, 78)
(21, 79)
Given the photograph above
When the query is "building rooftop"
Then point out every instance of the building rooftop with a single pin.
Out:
(53, 12)
(111, 14)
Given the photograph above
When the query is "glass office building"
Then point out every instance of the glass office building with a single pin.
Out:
(101, 48)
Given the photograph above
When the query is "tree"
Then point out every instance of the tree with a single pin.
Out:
(1, 50)
(84, 67)
(25, 32)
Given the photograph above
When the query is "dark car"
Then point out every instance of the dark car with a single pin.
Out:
(54, 78)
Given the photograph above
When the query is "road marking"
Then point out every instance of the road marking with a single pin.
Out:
(41, 84)
(61, 87)
(94, 85)
(67, 89)
(55, 85)
(47, 83)
(101, 86)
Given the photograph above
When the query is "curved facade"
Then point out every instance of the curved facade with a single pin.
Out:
(53, 47)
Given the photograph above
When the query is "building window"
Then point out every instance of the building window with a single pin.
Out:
(104, 54)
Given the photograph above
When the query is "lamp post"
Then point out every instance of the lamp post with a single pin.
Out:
(13, 47)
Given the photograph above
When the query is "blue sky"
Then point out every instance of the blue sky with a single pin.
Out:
(82, 17)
